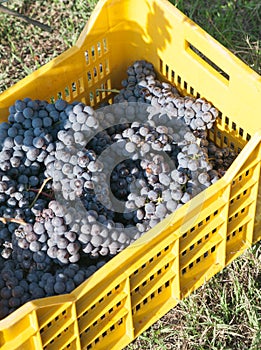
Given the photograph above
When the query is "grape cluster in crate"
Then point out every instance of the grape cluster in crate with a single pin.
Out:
(79, 185)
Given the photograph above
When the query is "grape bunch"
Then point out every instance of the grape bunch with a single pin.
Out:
(18, 286)
(79, 185)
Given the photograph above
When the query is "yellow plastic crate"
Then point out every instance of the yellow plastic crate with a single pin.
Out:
(150, 277)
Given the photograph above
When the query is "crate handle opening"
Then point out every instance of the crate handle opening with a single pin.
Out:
(207, 60)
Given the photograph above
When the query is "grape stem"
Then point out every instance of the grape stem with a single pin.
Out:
(16, 221)
(40, 191)
(109, 90)
(36, 190)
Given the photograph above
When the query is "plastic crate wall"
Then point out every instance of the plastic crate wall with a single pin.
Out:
(146, 280)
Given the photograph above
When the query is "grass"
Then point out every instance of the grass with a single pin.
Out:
(225, 313)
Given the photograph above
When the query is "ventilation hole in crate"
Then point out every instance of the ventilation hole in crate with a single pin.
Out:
(192, 229)
(144, 283)
(151, 277)
(230, 219)
(143, 266)
(89, 347)
(145, 301)
(93, 306)
(159, 254)
(191, 90)
(117, 287)
(214, 230)
(206, 255)
(184, 235)
(200, 223)
(191, 265)
(152, 295)
(185, 84)
(101, 300)
(95, 72)
(151, 259)
(234, 126)
(172, 76)
(91, 99)
(197, 260)
(198, 95)
(159, 290)
(192, 247)
(136, 289)
(233, 233)
(179, 79)
(232, 145)
(231, 201)
(99, 48)
(199, 241)
(241, 132)
(215, 213)
(105, 46)
(101, 68)
(219, 136)
(227, 120)
(245, 192)
(137, 307)
(161, 66)
(56, 318)
(228, 237)
(86, 54)
(103, 316)
(183, 271)
(104, 334)
(89, 76)
(225, 140)
(166, 248)
(68, 346)
(67, 92)
(93, 52)
(207, 218)
(207, 60)
(184, 253)
(166, 70)
(207, 236)
(49, 324)
(96, 340)
(213, 249)
(85, 313)
(248, 137)
(236, 215)
(74, 88)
